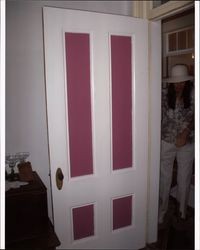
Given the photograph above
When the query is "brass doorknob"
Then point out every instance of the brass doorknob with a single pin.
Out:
(60, 175)
(59, 178)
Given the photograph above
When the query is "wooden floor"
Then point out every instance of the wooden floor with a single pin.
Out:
(173, 235)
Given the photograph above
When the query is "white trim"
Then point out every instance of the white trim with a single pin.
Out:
(110, 101)
(66, 109)
(179, 52)
(154, 128)
(92, 103)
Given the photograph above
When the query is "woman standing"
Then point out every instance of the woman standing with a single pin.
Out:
(177, 138)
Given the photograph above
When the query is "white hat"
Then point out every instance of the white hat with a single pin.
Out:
(179, 73)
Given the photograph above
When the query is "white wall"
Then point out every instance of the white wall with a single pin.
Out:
(26, 123)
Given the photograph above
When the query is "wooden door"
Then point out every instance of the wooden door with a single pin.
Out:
(97, 108)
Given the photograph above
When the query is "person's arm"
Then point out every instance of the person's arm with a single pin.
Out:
(188, 126)
(182, 138)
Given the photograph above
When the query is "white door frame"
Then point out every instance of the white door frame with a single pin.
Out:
(154, 129)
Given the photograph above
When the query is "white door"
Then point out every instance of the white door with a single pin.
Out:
(97, 106)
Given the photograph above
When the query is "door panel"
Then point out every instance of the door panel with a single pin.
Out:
(97, 105)
(121, 58)
(122, 212)
(77, 47)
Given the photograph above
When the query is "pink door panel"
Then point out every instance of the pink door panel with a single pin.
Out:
(121, 101)
(79, 103)
(83, 221)
(122, 212)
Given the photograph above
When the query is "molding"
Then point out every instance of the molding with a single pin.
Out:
(168, 9)
(154, 126)
(140, 9)
(144, 9)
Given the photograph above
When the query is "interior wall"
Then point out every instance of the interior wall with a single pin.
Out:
(26, 121)
(178, 23)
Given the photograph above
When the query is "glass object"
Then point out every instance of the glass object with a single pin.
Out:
(159, 3)
(11, 160)
(22, 156)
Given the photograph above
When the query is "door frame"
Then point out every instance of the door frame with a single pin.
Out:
(144, 9)
(155, 56)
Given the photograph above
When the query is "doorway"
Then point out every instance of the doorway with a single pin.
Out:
(178, 48)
